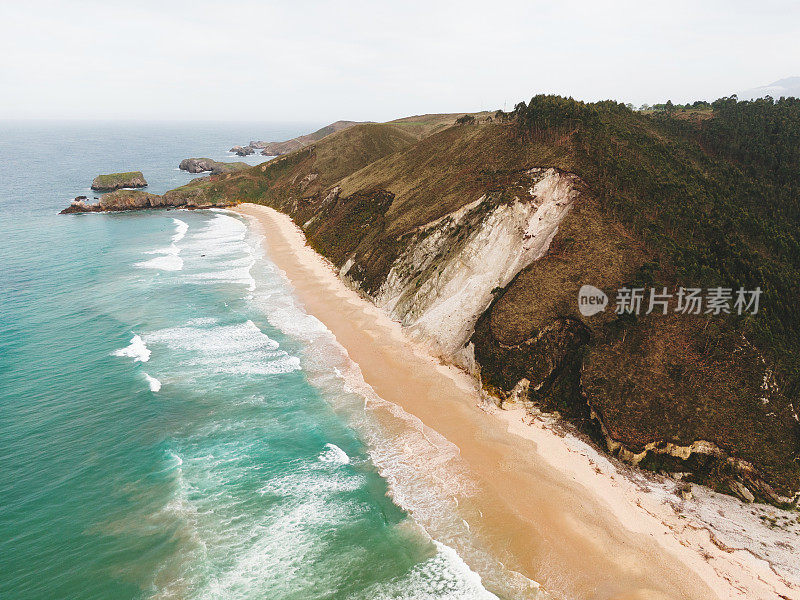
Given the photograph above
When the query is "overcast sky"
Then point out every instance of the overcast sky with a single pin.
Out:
(276, 60)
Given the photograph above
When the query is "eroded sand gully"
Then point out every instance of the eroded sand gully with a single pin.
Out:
(558, 513)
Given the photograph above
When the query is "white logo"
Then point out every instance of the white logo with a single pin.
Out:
(591, 300)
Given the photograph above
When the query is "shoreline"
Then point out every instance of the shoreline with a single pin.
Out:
(569, 517)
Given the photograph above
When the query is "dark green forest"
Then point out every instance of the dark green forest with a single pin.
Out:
(713, 189)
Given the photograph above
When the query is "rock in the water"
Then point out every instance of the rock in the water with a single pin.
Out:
(128, 200)
(115, 181)
(79, 204)
(202, 165)
(242, 150)
(137, 200)
(197, 165)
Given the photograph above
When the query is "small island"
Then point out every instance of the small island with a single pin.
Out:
(116, 181)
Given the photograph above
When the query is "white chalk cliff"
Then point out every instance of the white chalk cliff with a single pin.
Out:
(443, 282)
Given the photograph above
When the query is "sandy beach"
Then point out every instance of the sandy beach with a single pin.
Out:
(562, 514)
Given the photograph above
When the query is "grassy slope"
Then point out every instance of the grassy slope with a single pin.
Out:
(302, 141)
(421, 126)
(111, 180)
(654, 379)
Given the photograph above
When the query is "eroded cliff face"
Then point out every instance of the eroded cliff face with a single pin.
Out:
(444, 280)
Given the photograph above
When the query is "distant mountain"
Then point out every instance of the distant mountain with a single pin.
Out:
(783, 87)
(278, 148)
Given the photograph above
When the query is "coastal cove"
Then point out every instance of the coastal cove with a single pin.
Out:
(547, 504)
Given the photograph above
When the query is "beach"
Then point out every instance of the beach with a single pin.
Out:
(546, 502)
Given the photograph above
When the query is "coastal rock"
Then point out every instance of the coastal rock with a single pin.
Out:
(80, 204)
(139, 200)
(115, 181)
(203, 165)
(126, 200)
(197, 165)
(740, 490)
(242, 150)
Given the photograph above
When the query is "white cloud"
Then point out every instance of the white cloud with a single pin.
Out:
(281, 60)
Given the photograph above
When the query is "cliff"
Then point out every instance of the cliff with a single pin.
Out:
(115, 181)
(477, 237)
(444, 278)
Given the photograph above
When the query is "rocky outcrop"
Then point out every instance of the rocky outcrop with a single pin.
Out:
(80, 205)
(242, 150)
(117, 200)
(197, 165)
(116, 181)
(204, 165)
(706, 463)
(138, 200)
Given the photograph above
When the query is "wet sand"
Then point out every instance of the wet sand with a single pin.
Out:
(560, 514)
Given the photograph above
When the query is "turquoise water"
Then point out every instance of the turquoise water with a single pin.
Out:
(172, 424)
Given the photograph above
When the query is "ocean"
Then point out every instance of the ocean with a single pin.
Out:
(172, 423)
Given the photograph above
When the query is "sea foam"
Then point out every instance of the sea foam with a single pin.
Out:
(170, 259)
(137, 350)
(181, 227)
(168, 262)
(335, 455)
(240, 348)
(155, 384)
(223, 246)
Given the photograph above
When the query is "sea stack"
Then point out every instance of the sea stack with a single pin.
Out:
(115, 181)
(242, 150)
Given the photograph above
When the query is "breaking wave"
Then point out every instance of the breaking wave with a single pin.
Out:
(137, 350)
(239, 349)
(153, 383)
(170, 259)
(334, 455)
